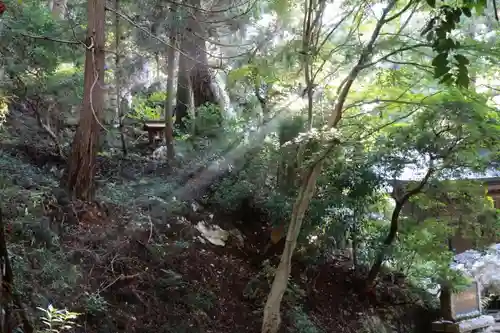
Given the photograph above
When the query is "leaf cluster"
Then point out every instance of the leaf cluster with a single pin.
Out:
(450, 66)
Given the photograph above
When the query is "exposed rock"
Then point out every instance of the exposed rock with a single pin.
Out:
(213, 233)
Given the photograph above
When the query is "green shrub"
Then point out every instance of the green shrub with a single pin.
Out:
(208, 120)
(57, 321)
(147, 107)
(301, 321)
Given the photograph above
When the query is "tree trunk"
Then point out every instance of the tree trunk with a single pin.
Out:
(191, 108)
(393, 231)
(158, 66)
(287, 180)
(202, 81)
(118, 78)
(79, 178)
(272, 316)
(391, 236)
(193, 64)
(169, 103)
(183, 87)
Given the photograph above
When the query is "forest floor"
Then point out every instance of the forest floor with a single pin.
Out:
(133, 261)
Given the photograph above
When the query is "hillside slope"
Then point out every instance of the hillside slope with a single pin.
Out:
(133, 261)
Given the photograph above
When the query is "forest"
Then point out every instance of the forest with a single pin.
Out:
(305, 166)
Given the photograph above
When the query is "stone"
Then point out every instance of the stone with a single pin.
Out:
(468, 325)
(213, 233)
(461, 312)
(456, 306)
(467, 303)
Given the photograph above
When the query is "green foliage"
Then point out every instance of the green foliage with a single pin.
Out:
(346, 190)
(208, 121)
(450, 66)
(56, 321)
(66, 85)
(372, 234)
(25, 56)
(243, 72)
(249, 182)
(422, 252)
(447, 138)
(453, 131)
(56, 273)
(407, 126)
(290, 128)
(35, 64)
(281, 7)
(95, 304)
(148, 107)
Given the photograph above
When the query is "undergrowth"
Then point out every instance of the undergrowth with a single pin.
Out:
(100, 261)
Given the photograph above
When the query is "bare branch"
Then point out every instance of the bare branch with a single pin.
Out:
(210, 54)
(407, 21)
(46, 127)
(426, 68)
(401, 12)
(232, 18)
(335, 27)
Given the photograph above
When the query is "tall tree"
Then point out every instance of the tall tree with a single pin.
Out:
(169, 103)
(184, 91)
(313, 13)
(446, 138)
(118, 78)
(193, 63)
(79, 178)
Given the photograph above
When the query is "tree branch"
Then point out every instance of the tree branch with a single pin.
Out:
(349, 80)
(208, 11)
(393, 231)
(377, 100)
(406, 48)
(47, 38)
(328, 57)
(401, 12)
(422, 67)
